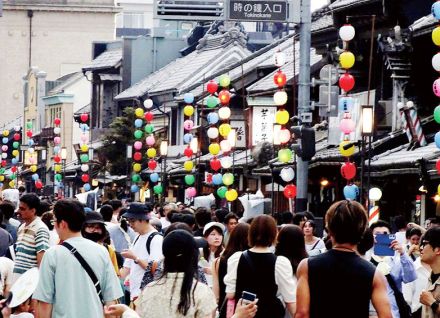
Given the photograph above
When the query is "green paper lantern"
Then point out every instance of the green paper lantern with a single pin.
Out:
(58, 177)
(13, 176)
(437, 114)
(135, 178)
(149, 129)
(189, 179)
(84, 158)
(15, 144)
(221, 192)
(224, 80)
(29, 125)
(2, 170)
(158, 189)
(211, 101)
(138, 134)
(228, 179)
(284, 155)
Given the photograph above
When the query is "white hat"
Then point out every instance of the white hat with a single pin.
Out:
(213, 224)
(24, 287)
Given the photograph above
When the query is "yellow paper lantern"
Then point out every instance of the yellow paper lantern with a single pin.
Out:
(151, 152)
(224, 80)
(2, 178)
(214, 149)
(34, 168)
(57, 168)
(188, 165)
(137, 167)
(139, 112)
(224, 130)
(231, 195)
(346, 153)
(436, 36)
(282, 117)
(6, 133)
(438, 189)
(15, 153)
(188, 110)
(346, 59)
(84, 148)
(12, 184)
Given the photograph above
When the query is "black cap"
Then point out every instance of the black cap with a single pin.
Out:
(179, 245)
(137, 211)
(94, 217)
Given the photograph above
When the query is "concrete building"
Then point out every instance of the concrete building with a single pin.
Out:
(54, 35)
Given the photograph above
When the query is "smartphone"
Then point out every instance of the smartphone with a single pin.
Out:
(248, 297)
(382, 246)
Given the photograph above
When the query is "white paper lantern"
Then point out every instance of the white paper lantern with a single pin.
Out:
(148, 103)
(31, 150)
(347, 32)
(287, 174)
(213, 132)
(84, 168)
(57, 130)
(17, 128)
(225, 145)
(4, 155)
(280, 98)
(374, 194)
(436, 62)
(224, 112)
(284, 136)
(226, 162)
(279, 59)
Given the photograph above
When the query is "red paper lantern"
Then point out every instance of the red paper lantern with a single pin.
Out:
(348, 170)
(4, 163)
(188, 152)
(84, 117)
(38, 184)
(215, 164)
(224, 96)
(57, 159)
(279, 79)
(290, 191)
(57, 121)
(137, 156)
(148, 116)
(212, 87)
(85, 178)
(29, 133)
(17, 136)
(14, 169)
(346, 82)
(152, 164)
(437, 166)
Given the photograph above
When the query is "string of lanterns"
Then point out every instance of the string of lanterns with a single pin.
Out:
(15, 151)
(4, 149)
(37, 182)
(138, 145)
(58, 178)
(346, 104)
(188, 124)
(435, 9)
(84, 147)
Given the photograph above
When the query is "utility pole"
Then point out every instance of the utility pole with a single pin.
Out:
(304, 111)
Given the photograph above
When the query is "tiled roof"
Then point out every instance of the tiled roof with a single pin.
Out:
(342, 4)
(323, 22)
(107, 59)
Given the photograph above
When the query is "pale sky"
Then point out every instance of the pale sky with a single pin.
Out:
(316, 4)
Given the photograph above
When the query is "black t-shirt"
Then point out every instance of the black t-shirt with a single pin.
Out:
(434, 277)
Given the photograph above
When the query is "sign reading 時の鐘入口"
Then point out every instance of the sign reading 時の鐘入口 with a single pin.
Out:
(258, 10)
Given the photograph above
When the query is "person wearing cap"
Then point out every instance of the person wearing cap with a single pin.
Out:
(213, 234)
(95, 230)
(138, 256)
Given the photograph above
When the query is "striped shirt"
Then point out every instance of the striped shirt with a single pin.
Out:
(31, 239)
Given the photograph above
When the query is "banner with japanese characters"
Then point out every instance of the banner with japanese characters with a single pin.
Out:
(262, 124)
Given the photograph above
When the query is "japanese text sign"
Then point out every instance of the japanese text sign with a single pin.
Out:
(258, 10)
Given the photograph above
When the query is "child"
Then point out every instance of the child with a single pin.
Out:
(23, 310)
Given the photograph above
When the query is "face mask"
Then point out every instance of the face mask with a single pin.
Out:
(95, 237)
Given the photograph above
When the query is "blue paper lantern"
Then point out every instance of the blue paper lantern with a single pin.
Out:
(14, 161)
(435, 10)
(84, 127)
(56, 150)
(138, 123)
(154, 177)
(86, 186)
(35, 177)
(351, 192)
(1, 184)
(30, 142)
(188, 98)
(187, 138)
(346, 104)
(217, 179)
(212, 118)
(5, 140)
(437, 139)
(134, 188)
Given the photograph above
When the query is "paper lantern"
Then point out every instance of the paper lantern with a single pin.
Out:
(138, 145)
(282, 117)
(189, 179)
(279, 59)
(374, 194)
(215, 164)
(158, 189)
(84, 138)
(188, 152)
(15, 145)
(436, 62)
(154, 177)
(139, 112)
(346, 82)
(226, 162)
(17, 136)
(221, 192)
(436, 36)
(225, 145)
(279, 79)
(347, 125)
(188, 98)
(436, 87)
(149, 116)
(87, 187)
(151, 153)
(84, 117)
(152, 164)
(437, 114)
(134, 188)
(284, 135)
(437, 139)
(190, 192)
(188, 110)
(217, 179)
(284, 155)
(56, 140)
(287, 174)
(188, 124)
(84, 168)
(4, 148)
(38, 184)
(30, 150)
(224, 113)
(231, 195)
(4, 165)
(290, 191)
(212, 118)
(57, 121)
(437, 166)
(6, 133)
(57, 159)
(212, 87)
(224, 130)
(34, 177)
(17, 128)
(29, 133)
(150, 140)
(214, 149)
(188, 165)
(135, 178)
(351, 192)
(346, 59)
(212, 133)
(57, 168)
(187, 138)
(84, 158)
(137, 167)
(348, 170)
(280, 98)
(148, 103)
(14, 169)
(346, 152)
(228, 179)
(84, 147)
(347, 32)
(224, 80)
(85, 178)
(57, 130)
(14, 161)
(346, 104)
(224, 96)
(137, 156)
(149, 128)
(211, 102)
(84, 127)
(138, 123)
(29, 125)
(435, 10)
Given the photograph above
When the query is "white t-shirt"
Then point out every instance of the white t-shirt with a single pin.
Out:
(139, 249)
(317, 245)
(6, 273)
(22, 315)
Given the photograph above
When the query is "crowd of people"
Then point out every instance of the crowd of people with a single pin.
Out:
(136, 260)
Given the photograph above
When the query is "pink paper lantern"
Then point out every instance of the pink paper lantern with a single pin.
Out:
(188, 124)
(150, 141)
(436, 87)
(57, 140)
(4, 148)
(84, 138)
(138, 145)
(31, 160)
(191, 192)
(347, 126)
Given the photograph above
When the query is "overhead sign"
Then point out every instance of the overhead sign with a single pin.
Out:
(258, 10)
(262, 124)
